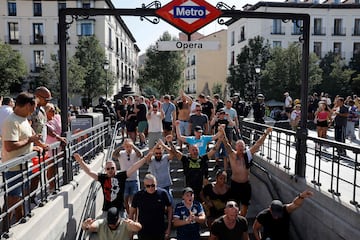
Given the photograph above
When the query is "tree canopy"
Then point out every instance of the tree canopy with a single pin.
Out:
(163, 70)
(12, 68)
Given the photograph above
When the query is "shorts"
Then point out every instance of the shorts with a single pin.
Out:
(131, 187)
(17, 191)
(289, 109)
(142, 126)
(184, 128)
(167, 126)
(241, 192)
(131, 126)
(322, 123)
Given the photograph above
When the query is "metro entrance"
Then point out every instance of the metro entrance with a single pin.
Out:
(189, 16)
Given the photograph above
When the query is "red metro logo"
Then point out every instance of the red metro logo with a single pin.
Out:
(188, 15)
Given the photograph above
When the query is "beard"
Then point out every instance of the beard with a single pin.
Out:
(158, 158)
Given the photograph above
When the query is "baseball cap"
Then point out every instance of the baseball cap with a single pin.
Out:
(277, 208)
(260, 96)
(221, 110)
(198, 129)
(188, 189)
(112, 215)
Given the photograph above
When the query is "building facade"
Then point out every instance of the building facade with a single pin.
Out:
(31, 27)
(206, 68)
(334, 26)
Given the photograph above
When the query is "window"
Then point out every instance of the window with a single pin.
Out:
(317, 49)
(12, 8)
(232, 38)
(357, 48)
(193, 74)
(188, 75)
(276, 44)
(357, 27)
(337, 47)
(13, 32)
(61, 5)
(39, 60)
(242, 34)
(297, 27)
(117, 46)
(110, 44)
(86, 4)
(37, 9)
(86, 29)
(121, 49)
(193, 62)
(338, 29)
(232, 58)
(38, 32)
(277, 28)
(318, 27)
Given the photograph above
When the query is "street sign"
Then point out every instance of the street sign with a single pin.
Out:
(191, 45)
(188, 15)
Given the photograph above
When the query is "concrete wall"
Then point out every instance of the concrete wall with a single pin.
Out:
(323, 216)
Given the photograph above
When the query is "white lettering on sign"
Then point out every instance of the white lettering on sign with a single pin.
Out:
(189, 12)
(190, 45)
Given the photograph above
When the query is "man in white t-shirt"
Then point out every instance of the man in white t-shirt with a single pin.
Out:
(154, 118)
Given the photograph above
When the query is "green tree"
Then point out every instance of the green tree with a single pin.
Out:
(243, 78)
(217, 89)
(283, 72)
(12, 68)
(336, 75)
(91, 57)
(50, 76)
(354, 64)
(163, 69)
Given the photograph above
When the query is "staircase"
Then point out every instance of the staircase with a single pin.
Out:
(178, 185)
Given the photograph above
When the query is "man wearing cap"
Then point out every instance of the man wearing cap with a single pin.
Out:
(149, 207)
(198, 139)
(113, 227)
(188, 215)
(275, 220)
(230, 226)
(288, 104)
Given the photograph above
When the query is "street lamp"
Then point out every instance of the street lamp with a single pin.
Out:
(106, 68)
(258, 70)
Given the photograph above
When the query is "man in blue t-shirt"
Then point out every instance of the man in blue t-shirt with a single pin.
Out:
(188, 215)
(200, 140)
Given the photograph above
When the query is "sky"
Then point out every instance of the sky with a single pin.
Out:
(146, 33)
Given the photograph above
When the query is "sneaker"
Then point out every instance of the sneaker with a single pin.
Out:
(36, 201)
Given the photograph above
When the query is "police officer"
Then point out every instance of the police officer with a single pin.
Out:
(259, 109)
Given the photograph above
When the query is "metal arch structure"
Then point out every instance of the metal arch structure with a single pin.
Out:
(149, 11)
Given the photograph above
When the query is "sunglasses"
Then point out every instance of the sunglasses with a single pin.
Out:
(150, 185)
(128, 157)
(231, 205)
(110, 168)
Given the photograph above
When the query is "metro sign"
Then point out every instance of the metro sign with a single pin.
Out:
(188, 15)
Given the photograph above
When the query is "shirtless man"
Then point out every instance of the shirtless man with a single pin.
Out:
(184, 106)
(240, 162)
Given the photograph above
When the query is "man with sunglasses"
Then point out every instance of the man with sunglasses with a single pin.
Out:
(112, 182)
(149, 207)
(230, 226)
(113, 227)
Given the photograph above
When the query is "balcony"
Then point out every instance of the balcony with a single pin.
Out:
(278, 30)
(339, 31)
(37, 40)
(12, 41)
(319, 31)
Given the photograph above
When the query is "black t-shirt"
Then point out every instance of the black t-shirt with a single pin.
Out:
(113, 190)
(259, 112)
(219, 229)
(218, 200)
(206, 108)
(220, 122)
(195, 170)
(151, 209)
(130, 110)
(276, 229)
(141, 114)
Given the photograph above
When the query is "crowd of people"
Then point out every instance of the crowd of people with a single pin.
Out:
(192, 132)
(182, 128)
